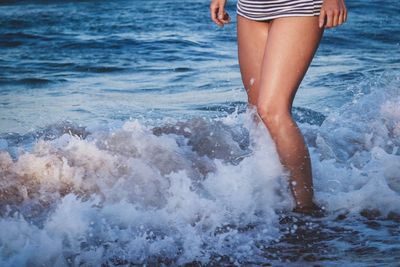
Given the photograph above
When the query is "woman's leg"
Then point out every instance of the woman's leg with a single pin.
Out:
(291, 44)
(252, 39)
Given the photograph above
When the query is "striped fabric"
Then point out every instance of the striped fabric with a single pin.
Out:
(270, 9)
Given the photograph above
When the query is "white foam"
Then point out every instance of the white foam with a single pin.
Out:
(135, 194)
(356, 157)
(177, 191)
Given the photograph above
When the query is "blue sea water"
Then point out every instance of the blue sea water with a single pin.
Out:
(125, 140)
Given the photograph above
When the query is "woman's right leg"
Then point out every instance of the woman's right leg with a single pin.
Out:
(251, 39)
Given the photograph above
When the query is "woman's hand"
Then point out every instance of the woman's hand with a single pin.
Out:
(218, 14)
(333, 13)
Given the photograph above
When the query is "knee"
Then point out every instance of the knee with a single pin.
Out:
(273, 113)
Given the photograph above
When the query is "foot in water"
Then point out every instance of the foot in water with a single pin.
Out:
(314, 210)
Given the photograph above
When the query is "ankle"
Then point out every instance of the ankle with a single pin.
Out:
(312, 209)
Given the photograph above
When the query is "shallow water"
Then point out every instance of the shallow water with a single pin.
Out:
(125, 140)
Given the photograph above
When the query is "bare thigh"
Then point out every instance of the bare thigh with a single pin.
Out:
(290, 48)
(251, 38)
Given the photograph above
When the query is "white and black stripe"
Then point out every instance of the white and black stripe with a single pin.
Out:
(270, 9)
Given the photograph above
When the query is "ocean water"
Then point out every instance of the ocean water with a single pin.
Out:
(125, 140)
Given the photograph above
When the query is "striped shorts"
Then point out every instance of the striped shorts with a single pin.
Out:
(270, 9)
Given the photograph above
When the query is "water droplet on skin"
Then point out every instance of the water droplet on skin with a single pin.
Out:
(251, 81)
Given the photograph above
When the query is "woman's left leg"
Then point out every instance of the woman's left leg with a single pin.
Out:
(291, 45)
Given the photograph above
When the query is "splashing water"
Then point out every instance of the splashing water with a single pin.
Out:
(202, 190)
(181, 191)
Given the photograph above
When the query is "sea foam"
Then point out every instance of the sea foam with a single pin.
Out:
(180, 191)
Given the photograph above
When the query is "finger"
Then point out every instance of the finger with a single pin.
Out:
(221, 13)
(329, 20)
(213, 11)
(345, 15)
(226, 19)
(335, 19)
(214, 15)
(341, 15)
(322, 18)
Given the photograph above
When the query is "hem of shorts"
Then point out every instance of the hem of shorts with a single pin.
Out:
(276, 16)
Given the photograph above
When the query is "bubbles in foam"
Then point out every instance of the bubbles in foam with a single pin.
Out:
(356, 157)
